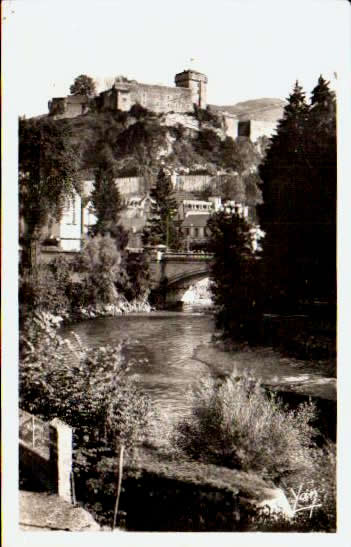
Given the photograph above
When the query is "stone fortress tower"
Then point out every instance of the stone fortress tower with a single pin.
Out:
(197, 83)
(251, 119)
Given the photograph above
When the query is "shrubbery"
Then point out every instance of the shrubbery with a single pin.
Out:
(99, 265)
(100, 275)
(164, 494)
(88, 388)
(46, 289)
(237, 425)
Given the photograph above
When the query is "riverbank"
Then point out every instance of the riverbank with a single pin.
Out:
(160, 350)
(293, 381)
(122, 307)
(271, 368)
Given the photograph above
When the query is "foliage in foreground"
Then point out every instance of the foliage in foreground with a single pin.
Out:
(88, 388)
(90, 391)
(236, 424)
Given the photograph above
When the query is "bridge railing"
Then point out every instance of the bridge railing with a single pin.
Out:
(184, 256)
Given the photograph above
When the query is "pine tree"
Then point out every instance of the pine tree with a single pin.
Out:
(286, 182)
(323, 164)
(299, 192)
(107, 203)
(162, 227)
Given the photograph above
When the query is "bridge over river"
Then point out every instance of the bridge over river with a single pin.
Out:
(173, 273)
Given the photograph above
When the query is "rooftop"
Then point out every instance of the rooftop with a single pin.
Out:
(183, 195)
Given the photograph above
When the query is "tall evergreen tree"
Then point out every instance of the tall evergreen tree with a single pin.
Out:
(162, 227)
(323, 167)
(284, 185)
(299, 185)
(107, 202)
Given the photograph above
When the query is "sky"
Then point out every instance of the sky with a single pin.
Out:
(248, 49)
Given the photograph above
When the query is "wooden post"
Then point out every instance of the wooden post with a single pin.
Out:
(119, 485)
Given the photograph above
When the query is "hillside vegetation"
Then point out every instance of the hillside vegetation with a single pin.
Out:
(138, 142)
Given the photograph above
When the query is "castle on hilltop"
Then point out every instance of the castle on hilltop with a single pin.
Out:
(189, 94)
(190, 90)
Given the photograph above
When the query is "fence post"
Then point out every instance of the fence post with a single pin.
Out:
(61, 457)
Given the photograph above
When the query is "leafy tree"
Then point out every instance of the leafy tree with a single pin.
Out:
(48, 178)
(162, 228)
(48, 290)
(232, 188)
(235, 276)
(212, 148)
(83, 85)
(137, 276)
(100, 266)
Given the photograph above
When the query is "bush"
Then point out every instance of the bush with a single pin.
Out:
(90, 391)
(46, 288)
(138, 111)
(88, 388)
(100, 268)
(206, 115)
(237, 425)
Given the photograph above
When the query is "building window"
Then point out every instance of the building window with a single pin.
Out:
(69, 213)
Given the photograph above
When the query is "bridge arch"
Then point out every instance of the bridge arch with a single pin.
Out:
(173, 273)
(177, 286)
(188, 278)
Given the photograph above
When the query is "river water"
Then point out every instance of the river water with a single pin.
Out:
(162, 345)
(173, 351)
